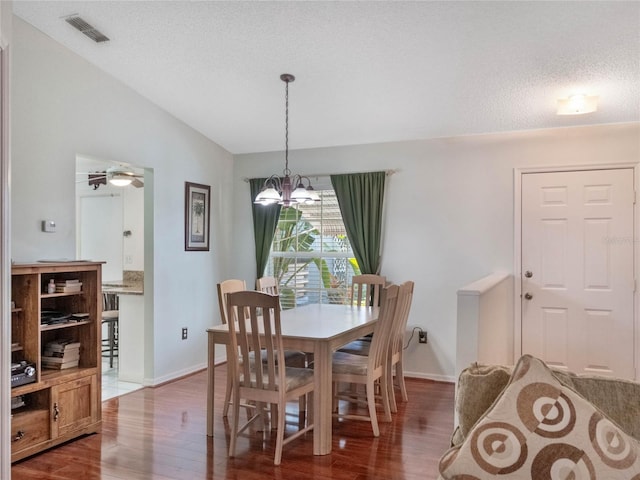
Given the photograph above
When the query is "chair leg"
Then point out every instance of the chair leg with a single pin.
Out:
(235, 423)
(227, 393)
(112, 345)
(390, 392)
(371, 402)
(400, 377)
(384, 393)
(280, 433)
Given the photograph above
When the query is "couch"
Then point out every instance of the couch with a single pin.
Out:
(530, 421)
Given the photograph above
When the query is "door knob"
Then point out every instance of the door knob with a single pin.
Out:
(528, 274)
(528, 296)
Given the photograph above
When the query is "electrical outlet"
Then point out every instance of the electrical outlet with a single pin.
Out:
(422, 337)
(184, 333)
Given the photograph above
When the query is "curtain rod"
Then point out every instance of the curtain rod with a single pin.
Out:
(387, 172)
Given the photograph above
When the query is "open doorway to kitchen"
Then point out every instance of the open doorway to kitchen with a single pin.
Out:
(110, 228)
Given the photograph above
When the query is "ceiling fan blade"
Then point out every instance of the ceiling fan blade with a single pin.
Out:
(137, 183)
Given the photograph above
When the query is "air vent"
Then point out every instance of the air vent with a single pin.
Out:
(85, 27)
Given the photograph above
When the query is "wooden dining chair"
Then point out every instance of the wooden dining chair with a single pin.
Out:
(369, 370)
(395, 363)
(268, 285)
(293, 358)
(224, 288)
(365, 289)
(269, 381)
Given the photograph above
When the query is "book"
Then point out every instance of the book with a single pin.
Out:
(58, 360)
(69, 288)
(57, 357)
(61, 344)
(59, 366)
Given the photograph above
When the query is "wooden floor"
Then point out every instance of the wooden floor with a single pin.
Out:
(160, 433)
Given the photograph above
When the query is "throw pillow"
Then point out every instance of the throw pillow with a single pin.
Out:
(540, 429)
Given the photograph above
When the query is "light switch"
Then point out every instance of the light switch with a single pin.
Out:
(48, 226)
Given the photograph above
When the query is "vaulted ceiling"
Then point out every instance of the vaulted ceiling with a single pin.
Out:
(366, 72)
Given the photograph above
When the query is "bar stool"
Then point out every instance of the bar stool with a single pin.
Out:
(110, 316)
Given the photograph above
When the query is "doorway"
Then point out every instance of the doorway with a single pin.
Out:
(577, 270)
(110, 228)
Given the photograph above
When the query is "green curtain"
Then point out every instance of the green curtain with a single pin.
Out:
(360, 197)
(265, 221)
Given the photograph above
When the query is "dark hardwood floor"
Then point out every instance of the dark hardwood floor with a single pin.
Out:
(160, 433)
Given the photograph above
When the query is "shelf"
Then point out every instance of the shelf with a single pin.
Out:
(65, 294)
(16, 310)
(57, 326)
(47, 375)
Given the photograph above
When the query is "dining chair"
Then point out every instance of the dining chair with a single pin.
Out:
(268, 285)
(396, 349)
(293, 358)
(396, 346)
(365, 289)
(269, 381)
(369, 370)
(224, 288)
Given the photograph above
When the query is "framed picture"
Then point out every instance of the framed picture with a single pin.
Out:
(196, 216)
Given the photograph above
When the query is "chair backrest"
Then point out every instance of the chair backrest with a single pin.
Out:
(258, 340)
(382, 332)
(366, 288)
(268, 285)
(405, 297)
(110, 302)
(224, 288)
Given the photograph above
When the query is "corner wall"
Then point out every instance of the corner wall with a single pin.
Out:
(449, 211)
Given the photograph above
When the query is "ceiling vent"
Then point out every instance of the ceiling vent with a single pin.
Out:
(85, 27)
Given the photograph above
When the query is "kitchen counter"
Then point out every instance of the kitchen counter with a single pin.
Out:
(132, 283)
(123, 288)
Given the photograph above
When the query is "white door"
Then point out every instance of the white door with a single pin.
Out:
(101, 232)
(577, 270)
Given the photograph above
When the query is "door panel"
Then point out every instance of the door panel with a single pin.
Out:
(577, 241)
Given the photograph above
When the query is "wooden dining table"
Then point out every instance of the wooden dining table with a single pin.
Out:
(319, 329)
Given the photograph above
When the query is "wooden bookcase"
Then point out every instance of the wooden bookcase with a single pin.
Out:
(60, 404)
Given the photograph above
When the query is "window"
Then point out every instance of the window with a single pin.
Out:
(311, 256)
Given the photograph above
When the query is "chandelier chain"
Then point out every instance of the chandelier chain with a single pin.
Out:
(286, 129)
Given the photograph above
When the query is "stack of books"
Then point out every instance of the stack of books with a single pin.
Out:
(69, 286)
(61, 354)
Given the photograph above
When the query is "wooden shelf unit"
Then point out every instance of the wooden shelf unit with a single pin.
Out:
(61, 404)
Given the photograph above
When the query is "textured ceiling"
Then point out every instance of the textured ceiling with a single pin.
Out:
(366, 72)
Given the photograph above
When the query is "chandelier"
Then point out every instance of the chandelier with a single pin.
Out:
(280, 190)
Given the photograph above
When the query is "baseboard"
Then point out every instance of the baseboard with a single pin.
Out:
(156, 382)
(430, 376)
(220, 360)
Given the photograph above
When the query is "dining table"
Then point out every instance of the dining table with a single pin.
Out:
(316, 328)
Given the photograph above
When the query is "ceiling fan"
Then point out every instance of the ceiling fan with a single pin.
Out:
(118, 176)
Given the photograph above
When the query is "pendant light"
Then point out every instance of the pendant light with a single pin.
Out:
(287, 190)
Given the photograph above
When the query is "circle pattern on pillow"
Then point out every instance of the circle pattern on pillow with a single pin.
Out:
(612, 447)
(498, 447)
(545, 410)
(560, 461)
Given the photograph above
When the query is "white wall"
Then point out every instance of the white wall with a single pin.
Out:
(449, 211)
(64, 106)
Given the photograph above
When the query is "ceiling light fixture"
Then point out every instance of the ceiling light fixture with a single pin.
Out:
(281, 190)
(577, 105)
(119, 178)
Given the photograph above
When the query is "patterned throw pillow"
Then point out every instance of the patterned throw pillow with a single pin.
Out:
(542, 430)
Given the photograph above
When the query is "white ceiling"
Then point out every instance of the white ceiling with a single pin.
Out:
(366, 72)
